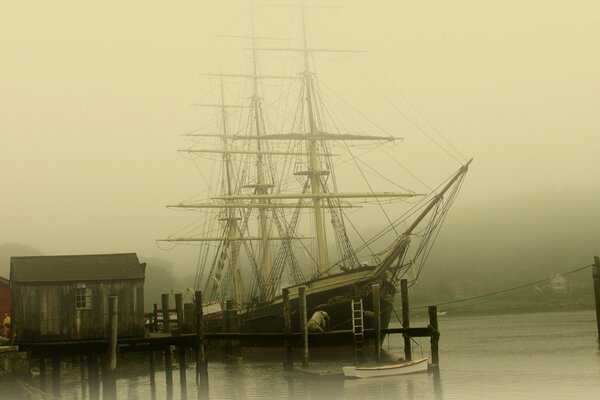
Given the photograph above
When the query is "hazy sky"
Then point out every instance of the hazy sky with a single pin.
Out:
(93, 98)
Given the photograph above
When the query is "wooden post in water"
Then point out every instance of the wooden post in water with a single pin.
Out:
(226, 327)
(155, 318)
(43, 374)
(93, 379)
(179, 308)
(188, 317)
(182, 377)
(377, 320)
(56, 376)
(82, 374)
(165, 313)
(168, 372)
(405, 318)
(288, 363)
(201, 364)
(596, 276)
(303, 327)
(110, 379)
(435, 336)
(234, 327)
(152, 372)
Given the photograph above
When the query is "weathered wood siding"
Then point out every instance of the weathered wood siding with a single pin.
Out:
(48, 311)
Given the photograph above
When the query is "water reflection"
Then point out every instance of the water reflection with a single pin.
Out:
(503, 356)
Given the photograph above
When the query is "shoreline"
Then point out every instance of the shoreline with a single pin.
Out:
(499, 311)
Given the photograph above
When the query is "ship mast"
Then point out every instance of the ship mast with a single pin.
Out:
(231, 220)
(261, 186)
(314, 172)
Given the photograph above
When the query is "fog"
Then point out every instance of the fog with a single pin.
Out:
(95, 96)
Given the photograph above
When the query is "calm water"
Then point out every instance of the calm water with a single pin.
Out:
(520, 356)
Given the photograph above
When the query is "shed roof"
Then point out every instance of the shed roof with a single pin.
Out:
(93, 267)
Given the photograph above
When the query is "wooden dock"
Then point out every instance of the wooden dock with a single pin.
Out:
(100, 355)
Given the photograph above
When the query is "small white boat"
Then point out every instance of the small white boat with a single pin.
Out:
(408, 367)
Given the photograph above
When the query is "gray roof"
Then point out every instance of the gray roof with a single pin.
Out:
(94, 267)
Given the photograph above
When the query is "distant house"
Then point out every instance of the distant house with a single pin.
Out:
(558, 282)
(5, 298)
(66, 297)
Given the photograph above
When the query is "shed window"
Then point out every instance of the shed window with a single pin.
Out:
(83, 298)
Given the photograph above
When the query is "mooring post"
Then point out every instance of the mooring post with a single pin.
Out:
(43, 374)
(201, 363)
(234, 327)
(110, 371)
(405, 318)
(377, 320)
(155, 318)
(188, 318)
(288, 362)
(168, 372)
(179, 308)
(152, 372)
(435, 336)
(303, 327)
(93, 379)
(165, 313)
(226, 327)
(82, 373)
(56, 376)
(596, 276)
(182, 377)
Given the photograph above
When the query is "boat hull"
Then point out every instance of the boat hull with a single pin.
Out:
(332, 295)
(406, 368)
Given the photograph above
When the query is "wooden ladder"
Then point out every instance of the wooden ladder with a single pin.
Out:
(358, 325)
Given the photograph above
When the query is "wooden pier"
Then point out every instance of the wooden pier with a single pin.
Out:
(98, 357)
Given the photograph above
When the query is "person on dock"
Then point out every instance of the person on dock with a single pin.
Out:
(318, 322)
(6, 325)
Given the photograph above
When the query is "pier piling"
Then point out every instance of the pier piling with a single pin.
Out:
(82, 373)
(288, 363)
(179, 308)
(155, 318)
(435, 335)
(165, 313)
(43, 374)
(405, 318)
(110, 377)
(168, 372)
(182, 377)
(152, 372)
(233, 326)
(596, 277)
(303, 327)
(188, 317)
(93, 379)
(201, 364)
(56, 377)
(377, 320)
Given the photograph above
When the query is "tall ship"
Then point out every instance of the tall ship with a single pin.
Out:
(275, 214)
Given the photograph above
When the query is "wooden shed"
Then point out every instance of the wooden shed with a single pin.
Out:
(66, 297)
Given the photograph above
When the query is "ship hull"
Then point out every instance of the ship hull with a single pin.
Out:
(331, 294)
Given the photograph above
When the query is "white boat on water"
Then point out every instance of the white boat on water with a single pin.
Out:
(409, 367)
